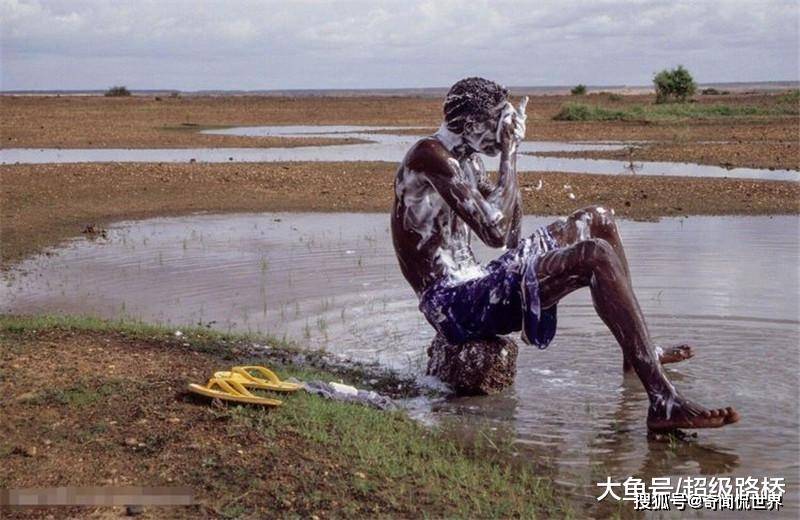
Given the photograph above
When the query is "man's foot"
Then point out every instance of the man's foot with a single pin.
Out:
(675, 413)
(674, 354)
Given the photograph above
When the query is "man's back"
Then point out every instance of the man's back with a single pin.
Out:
(430, 239)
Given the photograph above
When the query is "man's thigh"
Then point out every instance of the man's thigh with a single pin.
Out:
(477, 309)
(564, 270)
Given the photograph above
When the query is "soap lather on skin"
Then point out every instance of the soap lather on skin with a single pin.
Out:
(523, 286)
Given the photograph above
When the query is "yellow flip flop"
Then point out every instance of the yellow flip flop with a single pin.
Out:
(258, 377)
(230, 390)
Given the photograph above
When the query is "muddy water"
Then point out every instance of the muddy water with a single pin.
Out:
(727, 285)
(381, 147)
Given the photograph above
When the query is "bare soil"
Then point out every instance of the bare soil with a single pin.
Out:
(45, 204)
(784, 155)
(143, 122)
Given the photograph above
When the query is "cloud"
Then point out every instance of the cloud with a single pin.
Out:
(333, 44)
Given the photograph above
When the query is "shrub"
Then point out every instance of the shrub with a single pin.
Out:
(578, 90)
(581, 112)
(676, 84)
(117, 91)
(790, 96)
(669, 112)
(714, 92)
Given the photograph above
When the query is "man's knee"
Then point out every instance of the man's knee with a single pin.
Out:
(599, 220)
(599, 254)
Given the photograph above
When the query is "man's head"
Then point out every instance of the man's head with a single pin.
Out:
(472, 109)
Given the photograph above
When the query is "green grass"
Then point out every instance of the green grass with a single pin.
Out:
(390, 457)
(81, 394)
(199, 338)
(791, 97)
(670, 111)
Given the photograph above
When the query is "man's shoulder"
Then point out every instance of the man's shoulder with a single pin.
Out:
(428, 155)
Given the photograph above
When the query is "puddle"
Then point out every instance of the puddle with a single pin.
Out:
(383, 147)
(728, 285)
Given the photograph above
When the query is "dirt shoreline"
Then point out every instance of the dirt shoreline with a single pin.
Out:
(90, 403)
(43, 205)
(144, 122)
(769, 155)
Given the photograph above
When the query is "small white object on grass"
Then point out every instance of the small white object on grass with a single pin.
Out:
(340, 388)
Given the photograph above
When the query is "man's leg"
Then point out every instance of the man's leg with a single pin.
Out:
(599, 222)
(594, 263)
(590, 222)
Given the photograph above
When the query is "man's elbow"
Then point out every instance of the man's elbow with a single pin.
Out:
(496, 231)
(494, 238)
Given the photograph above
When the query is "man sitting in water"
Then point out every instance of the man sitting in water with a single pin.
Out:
(442, 196)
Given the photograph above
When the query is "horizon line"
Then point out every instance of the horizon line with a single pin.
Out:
(793, 82)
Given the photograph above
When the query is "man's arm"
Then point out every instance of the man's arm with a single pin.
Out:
(486, 187)
(489, 217)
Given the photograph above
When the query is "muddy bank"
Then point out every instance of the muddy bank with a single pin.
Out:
(766, 154)
(44, 204)
(96, 406)
(143, 122)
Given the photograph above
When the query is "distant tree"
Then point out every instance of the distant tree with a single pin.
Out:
(118, 91)
(676, 84)
(578, 90)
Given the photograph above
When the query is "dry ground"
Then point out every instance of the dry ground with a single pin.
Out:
(143, 122)
(44, 204)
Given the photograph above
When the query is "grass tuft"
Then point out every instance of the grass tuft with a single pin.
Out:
(668, 112)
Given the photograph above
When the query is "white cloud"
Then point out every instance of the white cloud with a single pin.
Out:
(317, 44)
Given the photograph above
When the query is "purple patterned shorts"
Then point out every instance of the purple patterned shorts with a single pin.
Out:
(504, 300)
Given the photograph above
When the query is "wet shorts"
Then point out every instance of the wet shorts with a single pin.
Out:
(504, 300)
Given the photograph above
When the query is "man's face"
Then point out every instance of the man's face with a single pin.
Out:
(482, 136)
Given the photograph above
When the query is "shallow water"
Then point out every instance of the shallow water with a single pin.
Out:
(728, 285)
(382, 147)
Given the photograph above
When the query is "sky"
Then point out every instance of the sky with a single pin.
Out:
(248, 44)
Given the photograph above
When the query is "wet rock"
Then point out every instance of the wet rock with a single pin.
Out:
(476, 367)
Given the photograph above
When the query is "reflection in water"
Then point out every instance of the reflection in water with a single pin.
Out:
(729, 286)
(380, 147)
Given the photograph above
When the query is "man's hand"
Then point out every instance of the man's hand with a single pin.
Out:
(521, 119)
(512, 126)
(508, 140)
